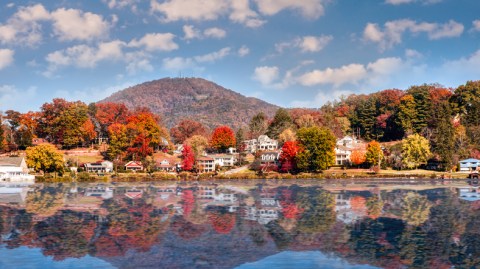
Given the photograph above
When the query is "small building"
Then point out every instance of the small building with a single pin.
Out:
(342, 155)
(15, 170)
(469, 165)
(205, 164)
(165, 166)
(105, 166)
(222, 160)
(270, 157)
(134, 166)
(266, 143)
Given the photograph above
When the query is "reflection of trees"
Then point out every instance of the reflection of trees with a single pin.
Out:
(415, 208)
(45, 202)
(374, 206)
(413, 247)
(222, 223)
(469, 257)
(281, 238)
(257, 234)
(66, 235)
(319, 210)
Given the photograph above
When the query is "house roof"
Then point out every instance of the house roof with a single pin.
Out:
(16, 161)
(470, 160)
(133, 164)
(204, 158)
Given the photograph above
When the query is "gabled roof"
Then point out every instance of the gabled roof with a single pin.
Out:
(15, 161)
(133, 164)
(470, 160)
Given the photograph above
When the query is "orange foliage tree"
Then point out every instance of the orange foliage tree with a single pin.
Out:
(186, 129)
(222, 138)
(357, 157)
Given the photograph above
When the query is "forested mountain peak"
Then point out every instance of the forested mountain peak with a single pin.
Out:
(179, 98)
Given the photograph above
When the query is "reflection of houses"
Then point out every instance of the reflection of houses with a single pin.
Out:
(206, 192)
(105, 166)
(134, 193)
(13, 195)
(134, 166)
(469, 193)
(205, 164)
(99, 191)
(14, 169)
(226, 196)
(262, 143)
(469, 164)
(266, 208)
(343, 208)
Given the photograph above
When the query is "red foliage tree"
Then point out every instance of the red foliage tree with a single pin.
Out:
(140, 148)
(188, 157)
(186, 129)
(109, 113)
(287, 158)
(222, 138)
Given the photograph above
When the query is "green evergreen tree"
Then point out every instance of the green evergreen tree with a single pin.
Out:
(443, 138)
(281, 121)
(258, 125)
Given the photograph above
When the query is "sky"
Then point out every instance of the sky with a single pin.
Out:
(292, 53)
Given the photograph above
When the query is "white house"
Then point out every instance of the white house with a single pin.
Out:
(262, 143)
(469, 165)
(344, 148)
(223, 159)
(15, 170)
(105, 166)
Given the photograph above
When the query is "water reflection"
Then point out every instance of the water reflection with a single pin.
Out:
(222, 225)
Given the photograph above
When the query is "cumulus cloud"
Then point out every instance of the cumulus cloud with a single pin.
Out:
(6, 57)
(178, 64)
(238, 11)
(23, 27)
(73, 24)
(476, 25)
(321, 98)
(309, 8)
(211, 57)
(9, 96)
(393, 31)
(306, 43)
(84, 56)
(190, 32)
(121, 3)
(351, 73)
(156, 42)
(266, 75)
(243, 51)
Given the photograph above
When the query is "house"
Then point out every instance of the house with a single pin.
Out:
(134, 166)
(15, 170)
(205, 164)
(178, 149)
(270, 157)
(262, 143)
(105, 166)
(165, 166)
(223, 159)
(344, 148)
(469, 165)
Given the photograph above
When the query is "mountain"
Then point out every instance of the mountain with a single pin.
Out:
(195, 98)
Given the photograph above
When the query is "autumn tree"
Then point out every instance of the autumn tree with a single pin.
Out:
(406, 113)
(317, 149)
(290, 150)
(44, 158)
(443, 137)
(287, 135)
(415, 151)
(188, 157)
(374, 153)
(415, 208)
(222, 138)
(280, 122)
(119, 140)
(198, 143)
(358, 157)
(186, 129)
(111, 113)
(2, 137)
(258, 125)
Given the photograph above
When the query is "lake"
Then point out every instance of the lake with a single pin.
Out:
(277, 224)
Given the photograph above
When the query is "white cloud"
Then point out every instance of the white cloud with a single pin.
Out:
(121, 3)
(241, 13)
(309, 8)
(10, 5)
(306, 43)
(23, 27)
(215, 33)
(393, 31)
(351, 73)
(196, 10)
(476, 25)
(266, 75)
(178, 64)
(190, 32)
(314, 43)
(321, 98)
(91, 94)
(6, 57)
(84, 56)
(73, 24)
(156, 42)
(411, 53)
(211, 57)
(400, 2)
(243, 51)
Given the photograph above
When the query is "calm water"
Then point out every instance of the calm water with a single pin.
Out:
(229, 225)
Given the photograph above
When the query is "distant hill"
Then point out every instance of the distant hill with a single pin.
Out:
(195, 98)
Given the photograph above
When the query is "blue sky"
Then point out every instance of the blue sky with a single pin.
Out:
(288, 52)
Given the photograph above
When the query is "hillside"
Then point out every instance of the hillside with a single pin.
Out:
(199, 99)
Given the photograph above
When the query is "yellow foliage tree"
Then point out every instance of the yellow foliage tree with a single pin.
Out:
(45, 158)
